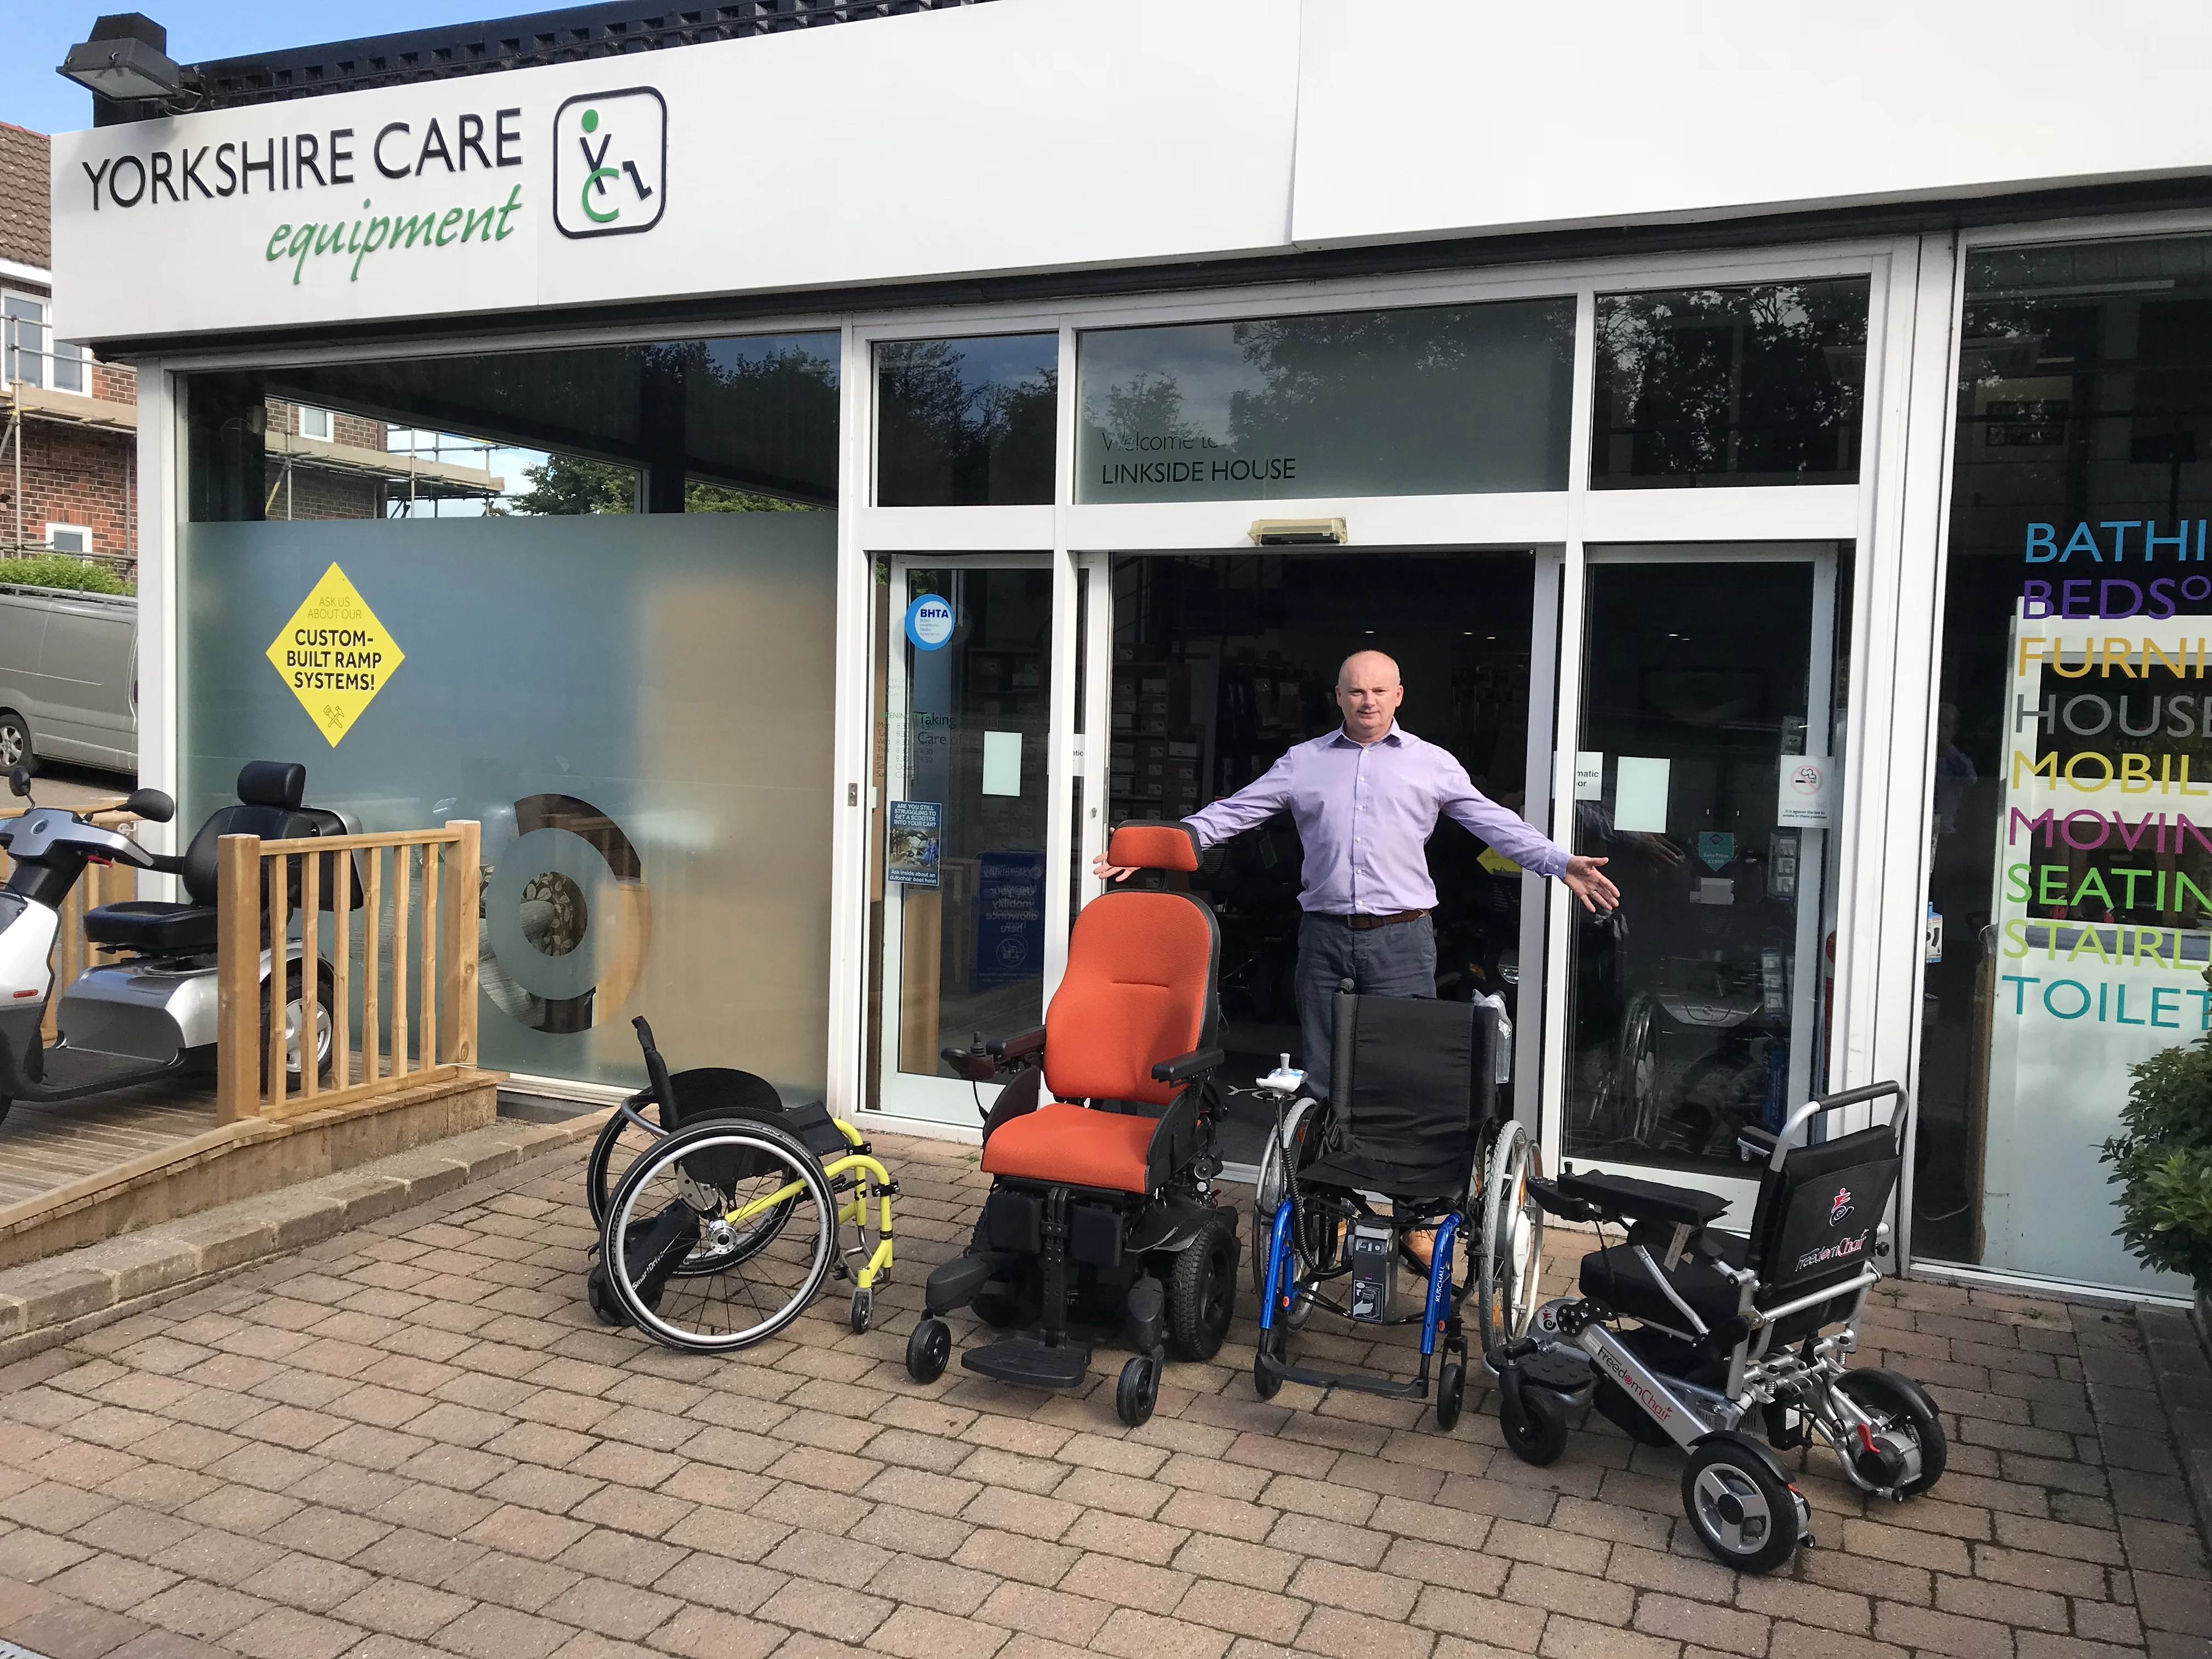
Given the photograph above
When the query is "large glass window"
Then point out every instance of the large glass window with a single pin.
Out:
(2070, 894)
(966, 422)
(614, 650)
(1428, 401)
(1731, 385)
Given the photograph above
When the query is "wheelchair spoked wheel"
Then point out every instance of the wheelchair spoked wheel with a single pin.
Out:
(720, 1235)
(1277, 1159)
(620, 1144)
(1509, 1255)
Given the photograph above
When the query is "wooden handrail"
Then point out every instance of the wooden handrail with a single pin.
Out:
(405, 1036)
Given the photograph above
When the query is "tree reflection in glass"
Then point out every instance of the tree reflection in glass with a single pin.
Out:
(966, 422)
(1758, 385)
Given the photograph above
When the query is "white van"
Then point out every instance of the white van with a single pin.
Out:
(69, 677)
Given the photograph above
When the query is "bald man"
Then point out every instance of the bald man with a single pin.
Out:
(1366, 800)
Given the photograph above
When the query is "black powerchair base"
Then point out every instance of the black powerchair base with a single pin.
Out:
(1031, 1363)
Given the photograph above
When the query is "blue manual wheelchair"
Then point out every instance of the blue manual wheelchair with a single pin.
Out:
(1412, 1124)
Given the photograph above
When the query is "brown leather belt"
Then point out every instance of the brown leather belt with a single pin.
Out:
(1365, 924)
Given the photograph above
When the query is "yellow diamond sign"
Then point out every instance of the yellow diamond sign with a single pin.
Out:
(334, 654)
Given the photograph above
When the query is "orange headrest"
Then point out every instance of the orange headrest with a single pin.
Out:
(1171, 846)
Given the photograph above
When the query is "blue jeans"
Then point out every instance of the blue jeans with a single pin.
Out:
(1397, 961)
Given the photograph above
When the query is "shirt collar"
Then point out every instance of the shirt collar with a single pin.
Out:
(1396, 737)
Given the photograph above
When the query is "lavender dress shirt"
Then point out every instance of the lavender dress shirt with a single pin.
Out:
(1365, 814)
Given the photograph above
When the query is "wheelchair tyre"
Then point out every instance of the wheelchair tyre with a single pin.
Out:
(1451, 1394)
(1536, 1423)
(601, 1297)
(928, 1350)
(1748, 1516)
(1892, 1395)
(1509, 1255)
(1139, 1390)
(862, 1313)
(762, 1241)
(620, 1144)
(1202, 1290)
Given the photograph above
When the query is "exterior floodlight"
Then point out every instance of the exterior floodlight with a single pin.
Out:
(1299, 532)
(127, 57)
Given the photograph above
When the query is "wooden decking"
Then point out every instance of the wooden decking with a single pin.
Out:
(43, 1148)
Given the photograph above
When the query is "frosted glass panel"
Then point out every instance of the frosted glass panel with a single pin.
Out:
(638, 709)
(1429, 400)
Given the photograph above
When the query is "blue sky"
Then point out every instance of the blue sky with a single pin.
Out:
(41, 31)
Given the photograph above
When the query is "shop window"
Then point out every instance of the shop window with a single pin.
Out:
(1731, 385)
(1431, 400)
(69, 538)
(966, 422)
(2070, 818)
(609, 642)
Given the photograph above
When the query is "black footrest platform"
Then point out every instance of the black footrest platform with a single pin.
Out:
(1562, 1370)
(1025, 1360)
(1359, 1384)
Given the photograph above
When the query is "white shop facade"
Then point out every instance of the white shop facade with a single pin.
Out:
(1785, 484)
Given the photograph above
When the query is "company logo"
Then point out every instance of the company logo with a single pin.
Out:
(1841, 1207)
(929, 622)
(1841, 1250)
(610, 163)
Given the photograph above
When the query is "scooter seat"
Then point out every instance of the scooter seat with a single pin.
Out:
(1618, 1278)
(152, 927)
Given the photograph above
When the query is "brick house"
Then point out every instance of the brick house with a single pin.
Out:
(68, 455)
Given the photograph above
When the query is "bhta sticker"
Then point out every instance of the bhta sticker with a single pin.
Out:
(335, 655)
(929, 622)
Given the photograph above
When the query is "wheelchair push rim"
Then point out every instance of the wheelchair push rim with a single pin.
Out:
(753, 1213)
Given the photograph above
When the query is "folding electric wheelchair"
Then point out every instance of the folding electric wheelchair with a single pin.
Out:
(734, 1214)
(1102, 1213)
(1412, 1119)
(1727, 1325)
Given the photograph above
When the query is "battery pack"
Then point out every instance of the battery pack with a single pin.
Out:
(1373, 1252)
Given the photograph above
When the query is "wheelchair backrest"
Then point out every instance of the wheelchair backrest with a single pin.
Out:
(1411, 1085)
(1140, 984)
(1817, 1215)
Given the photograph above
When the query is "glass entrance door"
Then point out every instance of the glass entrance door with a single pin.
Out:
(1705, 772)
(961, 942)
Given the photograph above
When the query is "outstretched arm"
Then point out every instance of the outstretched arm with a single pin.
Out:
(1520, 841)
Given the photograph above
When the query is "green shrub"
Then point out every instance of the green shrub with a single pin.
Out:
(63, 570)
(2163, 1163)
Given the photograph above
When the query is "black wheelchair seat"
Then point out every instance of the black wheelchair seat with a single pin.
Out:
(1618, 1277)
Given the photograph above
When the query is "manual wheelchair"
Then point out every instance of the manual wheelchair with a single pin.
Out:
(1103, 1217)
(1412, 1118)
(734, 1214)
(1729, 1329)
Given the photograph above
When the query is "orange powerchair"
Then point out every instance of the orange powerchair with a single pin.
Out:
(1102, 1216)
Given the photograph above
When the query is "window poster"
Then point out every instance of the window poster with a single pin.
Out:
(917, 840)
(2102, 909)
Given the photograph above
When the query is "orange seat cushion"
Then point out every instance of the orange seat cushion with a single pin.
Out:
(1074, 1145)
(1139, 975)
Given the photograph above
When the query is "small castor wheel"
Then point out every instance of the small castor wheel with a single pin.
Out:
(600, 1293)
(1138, 1391)
(1534, 1421)
(927, 1350)
(1451, 1394)
(863, 1312)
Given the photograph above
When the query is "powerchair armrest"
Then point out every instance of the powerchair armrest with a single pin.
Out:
(1183, 1067)
(1553, 1201)
(167, 864)
(1013, 1047)
(1754, 1146)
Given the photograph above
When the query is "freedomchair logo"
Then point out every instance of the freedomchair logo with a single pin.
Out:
(610, 163)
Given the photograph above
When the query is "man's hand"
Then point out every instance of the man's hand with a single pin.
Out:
(1106, 872)
(1586, 879)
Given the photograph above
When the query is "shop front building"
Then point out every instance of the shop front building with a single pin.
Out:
(956, 434)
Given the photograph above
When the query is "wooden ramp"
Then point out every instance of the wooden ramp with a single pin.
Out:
(44, 1148)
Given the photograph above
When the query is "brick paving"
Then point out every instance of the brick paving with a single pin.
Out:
(411, 1440)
